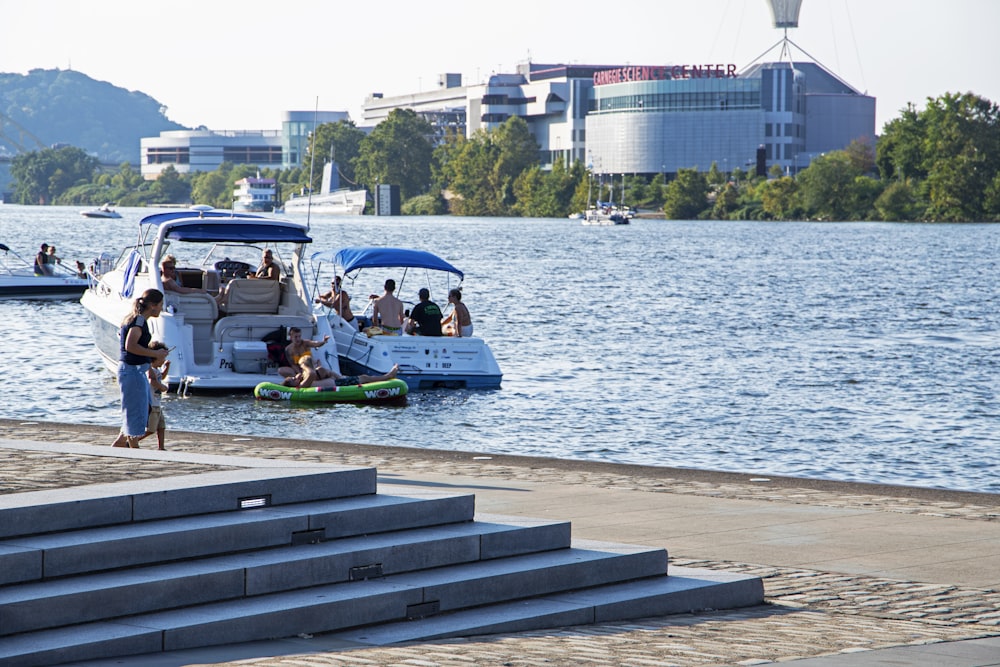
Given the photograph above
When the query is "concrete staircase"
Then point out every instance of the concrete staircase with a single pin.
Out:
(110, 570)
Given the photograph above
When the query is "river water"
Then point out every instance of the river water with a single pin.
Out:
(857, 351)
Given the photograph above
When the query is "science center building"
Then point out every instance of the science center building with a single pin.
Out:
(657, 119)
(625, 119)
(661, 118)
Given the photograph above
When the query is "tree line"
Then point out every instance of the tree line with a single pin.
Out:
(941, 163)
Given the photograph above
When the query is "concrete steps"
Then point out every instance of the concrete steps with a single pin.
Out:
(235, 556)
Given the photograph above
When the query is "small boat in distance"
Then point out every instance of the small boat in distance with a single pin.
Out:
(256, 195)
(18, 279)
(104, 211)
(330, 200)
(607, 213)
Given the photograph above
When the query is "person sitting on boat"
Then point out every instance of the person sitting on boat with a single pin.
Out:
(53, 258)
(459, 322)
(425, 319)
(42, 260)
(340, 301)
(299, 353)
(267, 270)
(337, 380)
(172, 283)
(387, 311)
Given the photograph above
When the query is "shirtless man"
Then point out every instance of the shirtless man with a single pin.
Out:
(299, 352)
(267, 270)
(459, 322)
(388, 310)
(339, 300)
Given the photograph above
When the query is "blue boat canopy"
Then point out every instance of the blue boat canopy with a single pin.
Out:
(194, 214)
(208, 226)
(205, 232)
(365, 257)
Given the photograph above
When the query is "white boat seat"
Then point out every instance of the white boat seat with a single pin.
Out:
(200, 312)
(194, 306)
(254, 327)
(248, 295)
(211, 281)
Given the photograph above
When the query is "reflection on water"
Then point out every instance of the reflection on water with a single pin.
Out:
(843, 351)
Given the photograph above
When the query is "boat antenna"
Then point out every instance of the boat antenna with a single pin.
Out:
(312, 163)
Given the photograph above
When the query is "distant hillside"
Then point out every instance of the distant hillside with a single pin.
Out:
(67, 107)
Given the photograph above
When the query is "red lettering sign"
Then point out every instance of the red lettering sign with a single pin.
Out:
(664, 73)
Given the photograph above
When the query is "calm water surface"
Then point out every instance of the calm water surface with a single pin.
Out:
(863, 351)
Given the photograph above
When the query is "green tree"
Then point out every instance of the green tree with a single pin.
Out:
(991, 202)
(212, 188)
(126, 178)
(338, 142)
(715, 177)
(862, 195)
(484, 168)
(825, 186)
(779, 198)
(862, 155)
(42, 176)
(900, 152)
(725, 202)
(169, 188)
(428, 204)
(949, 152)
(897, 203)
(686, 195)
(397, 151)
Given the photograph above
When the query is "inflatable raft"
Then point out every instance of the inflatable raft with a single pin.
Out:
(389, 391)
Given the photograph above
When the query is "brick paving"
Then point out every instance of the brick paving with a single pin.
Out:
(807, 613)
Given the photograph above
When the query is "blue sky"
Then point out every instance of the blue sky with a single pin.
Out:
(238, 65)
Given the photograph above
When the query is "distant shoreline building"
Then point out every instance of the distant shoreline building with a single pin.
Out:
(628, 119)
(633, 119)
(205, 150)
(616, 119)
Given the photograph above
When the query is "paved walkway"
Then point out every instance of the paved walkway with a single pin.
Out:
(854, 574)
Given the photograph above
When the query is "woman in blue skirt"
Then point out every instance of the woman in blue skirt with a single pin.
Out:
(133, 364)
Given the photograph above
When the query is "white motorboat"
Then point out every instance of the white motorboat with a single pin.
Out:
(18, 279)
(217, 343)
(330, 200)
(425, 362)
(604, 214)
(104, 211)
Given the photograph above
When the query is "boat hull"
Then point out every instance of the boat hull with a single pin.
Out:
(425, 362)
(344, 202)
(41, 288)
(388, 391)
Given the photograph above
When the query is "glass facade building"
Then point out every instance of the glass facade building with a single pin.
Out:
(658, 119)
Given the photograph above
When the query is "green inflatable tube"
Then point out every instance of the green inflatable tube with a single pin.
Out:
(389, 391)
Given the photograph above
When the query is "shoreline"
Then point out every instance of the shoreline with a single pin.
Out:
(102, 435)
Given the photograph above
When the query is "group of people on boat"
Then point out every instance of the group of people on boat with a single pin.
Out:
(47, 259)
(268, 270)
(392, 319)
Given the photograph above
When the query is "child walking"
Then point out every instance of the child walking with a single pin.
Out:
(158, 369)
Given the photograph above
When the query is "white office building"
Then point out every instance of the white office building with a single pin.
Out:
(204, 150)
